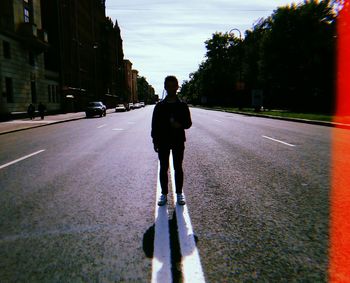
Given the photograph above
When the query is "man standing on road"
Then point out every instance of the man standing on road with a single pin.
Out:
(170, 118)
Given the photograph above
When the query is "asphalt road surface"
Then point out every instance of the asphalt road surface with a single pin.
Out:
(78, 201)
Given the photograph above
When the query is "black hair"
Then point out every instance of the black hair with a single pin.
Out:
(170, 79)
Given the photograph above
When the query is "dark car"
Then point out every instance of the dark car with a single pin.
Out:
(95, 108)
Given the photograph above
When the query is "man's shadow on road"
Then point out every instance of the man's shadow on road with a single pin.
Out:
(175, 251)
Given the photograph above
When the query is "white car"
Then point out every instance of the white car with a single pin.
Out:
(120, 108)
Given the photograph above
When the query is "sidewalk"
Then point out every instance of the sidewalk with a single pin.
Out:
(345, 124)
(22, 124)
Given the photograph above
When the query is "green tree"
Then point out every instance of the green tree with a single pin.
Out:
(298, 56)
(144, 91)
(290, 55)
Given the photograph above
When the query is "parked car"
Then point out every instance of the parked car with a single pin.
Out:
(95, 108)
(137, 105)
(131, 106)
(142, 104)
(120, 108)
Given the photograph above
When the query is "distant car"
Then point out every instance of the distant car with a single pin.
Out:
(120, 108)
(131, 106)
(142, 104)
(95, 108)
(137, 105)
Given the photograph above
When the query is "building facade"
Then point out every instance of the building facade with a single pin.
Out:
(23, 41)
(63, 53)
(77, 51)
(127, 78)
(134, 96)
(87, 52)
(113, 64)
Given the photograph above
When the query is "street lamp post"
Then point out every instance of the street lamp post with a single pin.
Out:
(239, 85)
(240, 53)
(240, 34)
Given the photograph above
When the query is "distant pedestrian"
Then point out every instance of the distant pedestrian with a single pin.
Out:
(170, 118)
(31, 111)
(42, 109)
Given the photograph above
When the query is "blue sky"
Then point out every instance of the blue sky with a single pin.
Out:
(162, 37)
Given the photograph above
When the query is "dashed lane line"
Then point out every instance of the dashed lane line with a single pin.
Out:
(118, 129)
(20, 159)
(104, 125)
(161, 262)
(282, 142)
(191, 265)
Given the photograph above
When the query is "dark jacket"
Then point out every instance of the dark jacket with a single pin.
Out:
(162, 131)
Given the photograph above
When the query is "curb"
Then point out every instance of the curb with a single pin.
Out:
(109, 111)
(38, 126)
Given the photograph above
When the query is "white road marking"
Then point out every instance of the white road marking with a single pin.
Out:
(22, 158)
(104, 125)
(118, 129)
(161, 262)
(266, 137)
(191, 264)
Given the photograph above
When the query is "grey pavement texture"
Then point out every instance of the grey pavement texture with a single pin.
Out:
(79, 211)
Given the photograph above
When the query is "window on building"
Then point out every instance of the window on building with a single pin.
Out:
(33, 91)
(7, 49)
(57, 94)
(9, 90)
(26, 15)
(28, 11)
(49, 92)
(32, 59)
(53, 93)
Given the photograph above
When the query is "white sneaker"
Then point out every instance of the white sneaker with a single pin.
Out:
(162, 200)
(180, 199)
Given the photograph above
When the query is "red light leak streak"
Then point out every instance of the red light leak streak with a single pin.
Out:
(339, 255)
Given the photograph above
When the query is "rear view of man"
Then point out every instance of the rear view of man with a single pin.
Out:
(170, 118)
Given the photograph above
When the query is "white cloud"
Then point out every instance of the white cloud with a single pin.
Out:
(167, 37)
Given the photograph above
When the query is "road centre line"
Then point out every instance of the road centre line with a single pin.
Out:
(191, 265)
(104, 125)
(20, 159)
(266, 137)
(161, 262)
(118, 129)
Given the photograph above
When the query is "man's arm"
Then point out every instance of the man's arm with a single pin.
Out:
(155, 130)
(187, 122)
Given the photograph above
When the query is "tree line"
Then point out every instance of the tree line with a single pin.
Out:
(288, 59)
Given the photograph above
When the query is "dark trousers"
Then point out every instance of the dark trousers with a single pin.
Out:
(178, 155)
